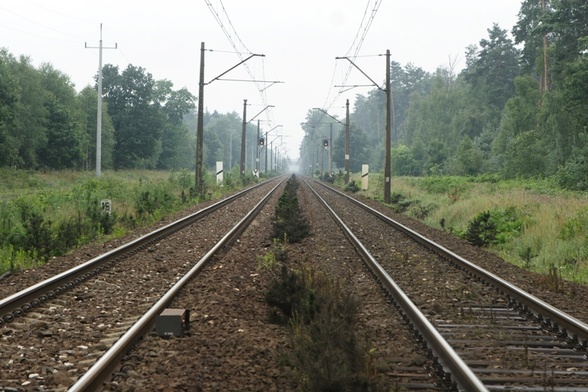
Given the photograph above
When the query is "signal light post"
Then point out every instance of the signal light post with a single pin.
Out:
(265, 167)
(243, 133)
(346, 125)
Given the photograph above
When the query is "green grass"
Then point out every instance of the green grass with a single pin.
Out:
(549, 229)
(46, 214)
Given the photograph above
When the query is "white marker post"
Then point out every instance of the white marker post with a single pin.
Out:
(219, 172)
(365, 169)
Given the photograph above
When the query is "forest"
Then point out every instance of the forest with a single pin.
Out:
(519, 108)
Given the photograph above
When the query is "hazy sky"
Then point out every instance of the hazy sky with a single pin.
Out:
(299, 38)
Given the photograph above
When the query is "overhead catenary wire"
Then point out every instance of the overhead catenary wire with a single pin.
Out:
(355, 48)
(240, 48)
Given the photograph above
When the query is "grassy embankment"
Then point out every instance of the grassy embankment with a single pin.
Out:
(530, 223)
(43, 215)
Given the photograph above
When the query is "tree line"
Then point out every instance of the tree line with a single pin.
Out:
(146, 123)
(519, 108)
(46, 124)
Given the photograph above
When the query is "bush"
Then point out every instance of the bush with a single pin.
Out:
(289, 222)
(352, 187)
(495, 227)
(326, 352)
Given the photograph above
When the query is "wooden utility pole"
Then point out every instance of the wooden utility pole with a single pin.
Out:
(243, 137)
(347, 142)
(331, 150)
(387, 168)
(200, 125)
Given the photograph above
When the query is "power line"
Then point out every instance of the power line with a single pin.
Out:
(40, 24)
(60, 13)
(357, 43)
(238, 51)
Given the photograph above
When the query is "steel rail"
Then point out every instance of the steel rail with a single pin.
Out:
(549, 315)
(26, 299)
(92, 380)
(452, 364)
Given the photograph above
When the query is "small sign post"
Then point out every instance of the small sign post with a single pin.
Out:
(219, 172)
(365, 169)
(106, 206)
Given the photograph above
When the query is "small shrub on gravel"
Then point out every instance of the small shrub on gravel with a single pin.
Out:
(326, 354)
(274, 256)
(352, 187)
(289, 221)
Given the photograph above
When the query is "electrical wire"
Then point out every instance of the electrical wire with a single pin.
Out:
(356, 45)
(41, 25)
(232, 35)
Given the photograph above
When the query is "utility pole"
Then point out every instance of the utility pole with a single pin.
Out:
(389, 108)
(265, 147)
(331, 150)
(200, 130)
(243, 134)
(200, 125)
(387, 167)
(257, 149)
(99, 110)
(347, 142)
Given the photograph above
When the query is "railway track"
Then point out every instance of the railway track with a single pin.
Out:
(470, 334)
(54, 331)
(509, 339)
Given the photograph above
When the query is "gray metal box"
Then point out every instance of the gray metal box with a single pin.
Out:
(172, 322)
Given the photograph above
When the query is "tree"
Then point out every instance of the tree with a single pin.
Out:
(575, 92)
(9, 143)
(176, 151)
(525, 156)
(403, 162)
(29, 112)
(531, 30)
(492, 71)
(358, 149)
(66, 139)
(567, 25)
(467, 160)
(573, 174)
(137, 121)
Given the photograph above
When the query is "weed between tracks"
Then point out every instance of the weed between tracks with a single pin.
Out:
(326, 352)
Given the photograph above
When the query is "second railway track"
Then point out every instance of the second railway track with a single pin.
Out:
(510, 339)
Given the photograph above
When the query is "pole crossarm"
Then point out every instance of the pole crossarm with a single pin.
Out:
(360, 70)
(279, 136)
(235, 66)
(262, 110)
(272, 82)
(329, 115)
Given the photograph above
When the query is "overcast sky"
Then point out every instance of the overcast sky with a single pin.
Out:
(299, 39)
